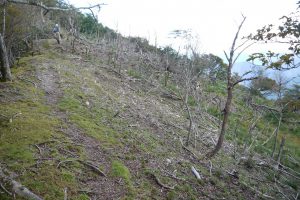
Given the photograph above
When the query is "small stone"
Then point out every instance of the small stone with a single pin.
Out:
(168, 161)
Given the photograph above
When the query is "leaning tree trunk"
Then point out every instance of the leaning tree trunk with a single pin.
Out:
(276, 134)
(230, 85)
(5, 69)
(226, 112)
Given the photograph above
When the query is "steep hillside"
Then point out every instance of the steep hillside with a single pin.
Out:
(79, 124)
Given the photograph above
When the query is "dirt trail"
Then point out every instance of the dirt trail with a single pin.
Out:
(98, 187)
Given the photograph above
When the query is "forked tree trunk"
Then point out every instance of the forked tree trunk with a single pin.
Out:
(230, 85)
(5, 69)
(226, 112)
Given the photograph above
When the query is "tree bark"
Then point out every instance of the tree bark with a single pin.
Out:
(280, 151)
(190, 117)
(230, 85)
(17, 188)
(5, 68)
(226, 112)
(276, 134)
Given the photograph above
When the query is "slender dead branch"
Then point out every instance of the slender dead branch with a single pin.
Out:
(39, 149)
(5, 190)
(160, 183)
(41, 5)
(244, 79)
(86, 163)
(196, 173)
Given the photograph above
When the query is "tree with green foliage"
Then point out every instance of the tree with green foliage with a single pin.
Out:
(23, 20)
(262, 85)
(213, 66)
(288, 33)
(292, 95)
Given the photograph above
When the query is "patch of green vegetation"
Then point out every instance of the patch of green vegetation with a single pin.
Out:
(45, 44)
(187, 191)
(172, 87)
(213, 110)
(118, 169)
(219, 88)
(133, 73)
(192, 101)
(26, 121)
(172, 195)
(89, 120)
(82, 197)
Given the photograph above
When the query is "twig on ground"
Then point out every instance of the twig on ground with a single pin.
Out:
(196, 173)
(210, 168)
(258, 192)
(161, 184)
(66, 193)
(86, 163)
(187, 149)
(5, 190)
(40, 151)
(173, 175)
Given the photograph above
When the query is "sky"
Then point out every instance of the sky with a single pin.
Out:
(215, 22)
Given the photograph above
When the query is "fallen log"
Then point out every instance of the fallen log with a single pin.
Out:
(16, 187)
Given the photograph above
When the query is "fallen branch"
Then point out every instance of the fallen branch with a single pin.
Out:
(93, 167)
(47, 9)
(40, 151)
(187, 149)
(16, 187)
(210, 168)
(161, 184)
(66, 194)
(196, 173)
(258, 192)
(173, 176)
(86, 163)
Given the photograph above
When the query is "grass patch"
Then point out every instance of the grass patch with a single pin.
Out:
(133, 73)
(89, 120)
(25, 120)
(119, 170)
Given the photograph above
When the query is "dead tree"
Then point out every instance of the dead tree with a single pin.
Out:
(231, 59)
(5, 69)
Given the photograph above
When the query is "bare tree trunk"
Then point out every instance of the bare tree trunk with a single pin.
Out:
(190, 118)
(230, 85)
(5, 69)
(166, 71)
(276, 134)
(4, 18)
(226, 112)
(280, 150)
